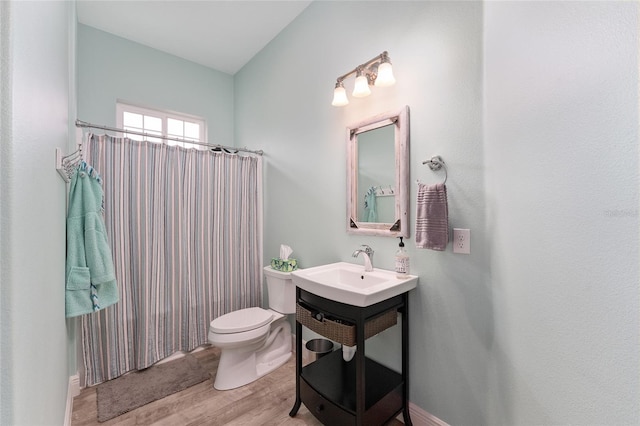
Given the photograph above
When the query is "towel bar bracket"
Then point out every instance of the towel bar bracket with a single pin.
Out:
(435, 163)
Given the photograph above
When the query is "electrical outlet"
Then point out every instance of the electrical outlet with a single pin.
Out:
(461, 241)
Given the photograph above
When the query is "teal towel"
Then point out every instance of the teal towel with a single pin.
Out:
(90, 276)
(370, 208)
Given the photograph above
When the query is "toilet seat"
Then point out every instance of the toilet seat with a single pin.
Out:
(241, 321)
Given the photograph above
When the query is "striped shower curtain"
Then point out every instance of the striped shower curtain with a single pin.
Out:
(184, 230)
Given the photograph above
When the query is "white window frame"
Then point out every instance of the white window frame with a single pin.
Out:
(122, 107)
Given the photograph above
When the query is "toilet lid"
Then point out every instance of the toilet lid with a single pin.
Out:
(242, 320)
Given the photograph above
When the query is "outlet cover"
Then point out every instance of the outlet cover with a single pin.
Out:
(461, 241)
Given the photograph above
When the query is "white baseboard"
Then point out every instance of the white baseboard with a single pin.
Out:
(73, 390)
(419, 417)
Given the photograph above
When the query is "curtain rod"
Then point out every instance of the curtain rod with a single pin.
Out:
(80, 123)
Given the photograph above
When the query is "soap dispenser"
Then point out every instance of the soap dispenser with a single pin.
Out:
(402, 261)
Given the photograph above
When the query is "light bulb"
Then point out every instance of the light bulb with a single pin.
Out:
(361, 88)
(385, 75)
(339, 96)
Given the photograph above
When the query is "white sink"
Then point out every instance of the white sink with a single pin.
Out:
(349, 283)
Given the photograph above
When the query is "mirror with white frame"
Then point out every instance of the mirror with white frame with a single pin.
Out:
(378, 175)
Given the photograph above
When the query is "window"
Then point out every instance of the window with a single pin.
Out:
(155, 122)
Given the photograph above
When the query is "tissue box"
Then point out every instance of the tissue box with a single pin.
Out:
(284, 265)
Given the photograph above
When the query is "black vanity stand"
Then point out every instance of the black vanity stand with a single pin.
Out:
(358, 392)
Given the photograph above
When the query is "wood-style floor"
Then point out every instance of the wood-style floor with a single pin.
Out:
(267, 401)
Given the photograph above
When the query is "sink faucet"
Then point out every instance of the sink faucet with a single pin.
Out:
(368, 257)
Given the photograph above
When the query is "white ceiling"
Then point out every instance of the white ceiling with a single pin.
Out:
(223, 35)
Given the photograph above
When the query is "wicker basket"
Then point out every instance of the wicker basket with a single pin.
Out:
(344, 333)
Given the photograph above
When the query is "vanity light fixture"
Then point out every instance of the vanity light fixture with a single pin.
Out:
(376, 71)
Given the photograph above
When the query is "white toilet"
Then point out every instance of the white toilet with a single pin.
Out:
(255, 341)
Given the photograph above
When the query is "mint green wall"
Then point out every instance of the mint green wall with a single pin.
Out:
(37, 46)
(534, 108)
(111, 68)
(561, 161)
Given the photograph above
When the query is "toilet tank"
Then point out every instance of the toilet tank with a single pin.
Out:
(281, 291)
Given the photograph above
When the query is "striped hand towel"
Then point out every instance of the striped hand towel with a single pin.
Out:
(432, 217)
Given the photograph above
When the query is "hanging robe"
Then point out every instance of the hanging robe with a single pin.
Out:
(90, 278)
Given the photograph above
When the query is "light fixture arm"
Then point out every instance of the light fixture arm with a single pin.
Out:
(369, 68)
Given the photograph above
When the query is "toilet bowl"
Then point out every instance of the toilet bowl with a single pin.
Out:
(254, 341)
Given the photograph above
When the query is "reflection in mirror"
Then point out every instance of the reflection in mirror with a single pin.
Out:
(378, 173)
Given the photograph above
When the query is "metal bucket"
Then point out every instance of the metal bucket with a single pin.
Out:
(317, 348)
